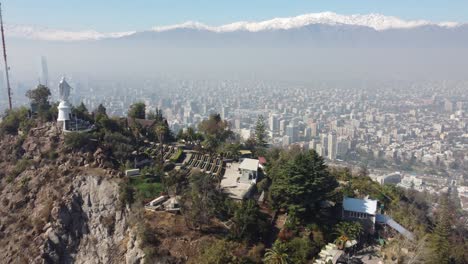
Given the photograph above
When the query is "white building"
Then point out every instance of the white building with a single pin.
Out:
(249, 170)
(363, 210)
(392, 178)
(239, 179)
(411, 182)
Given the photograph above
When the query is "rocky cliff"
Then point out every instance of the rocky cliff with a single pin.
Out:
(59, 207)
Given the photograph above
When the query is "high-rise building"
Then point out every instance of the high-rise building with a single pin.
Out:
(307, 133)
(332, 150)
(44, 79)
(282, 126)
(224, 112)
(292, 132)
(320, 150)
(313, 129)
(448, 105)
(274, 123)
(342, 147)
(324, 143)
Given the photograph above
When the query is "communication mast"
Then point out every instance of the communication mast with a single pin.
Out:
(5, 59)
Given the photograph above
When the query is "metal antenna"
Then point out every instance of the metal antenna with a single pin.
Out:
(5, 59)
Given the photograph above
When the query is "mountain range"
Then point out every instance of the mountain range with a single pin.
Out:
(323, 45)
(372, 21)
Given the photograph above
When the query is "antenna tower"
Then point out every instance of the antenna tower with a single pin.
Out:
(5, 59)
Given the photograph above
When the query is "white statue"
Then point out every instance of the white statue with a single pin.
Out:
(64, 90)
(64, 108)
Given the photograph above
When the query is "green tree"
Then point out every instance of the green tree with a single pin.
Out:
(439, 242)
(40, 101)
(261, 136)
(156, 115)
(126, 193)
(82, 108)
(119, 145)
(300, 249)
(301, 182)
(81, 111)
(162, 131)
(101, 110)
(232, 150)
(137, 111)
(350, 229)
(15, 120)
(108, 124)
(211, 143)
(176, 181)
(277, 254)
(247, 222)
(190, 135)
(219, 252)
(215, 130)
(199, 201)
(77, 140)
(40, 96)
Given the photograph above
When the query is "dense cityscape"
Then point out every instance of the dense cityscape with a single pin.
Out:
(415, 129)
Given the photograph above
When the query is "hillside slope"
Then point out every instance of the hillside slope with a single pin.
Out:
(58, 207)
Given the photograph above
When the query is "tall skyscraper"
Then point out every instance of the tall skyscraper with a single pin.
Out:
(314, 129)
(44, 74)
(324, 143)
(282, 126)
(292, 132)
(332, 146)
(274, 123)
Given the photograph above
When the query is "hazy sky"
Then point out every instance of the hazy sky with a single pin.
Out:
(123, 15)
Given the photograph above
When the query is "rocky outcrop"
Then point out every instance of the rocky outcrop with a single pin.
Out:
(59, 206)
(90, 227)
(41, 140)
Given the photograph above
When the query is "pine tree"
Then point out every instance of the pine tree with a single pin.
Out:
(101, 110)
(301, 182)
(439, 242)
(261, 136)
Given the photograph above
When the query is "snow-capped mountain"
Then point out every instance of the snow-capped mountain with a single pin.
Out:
(373, 21)
(42, 33)
(324, 45)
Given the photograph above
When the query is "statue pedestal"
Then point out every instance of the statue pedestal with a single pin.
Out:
(64, 113)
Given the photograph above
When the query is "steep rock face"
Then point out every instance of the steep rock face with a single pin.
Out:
(90, 228)
(60, 207)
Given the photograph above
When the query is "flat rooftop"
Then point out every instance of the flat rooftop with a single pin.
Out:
(360, 205)
(249, 164)
(230, 182)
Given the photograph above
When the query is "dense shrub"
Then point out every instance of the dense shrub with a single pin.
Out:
(15, 120)
(220, 251)
(126, 194)
(76, 140)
